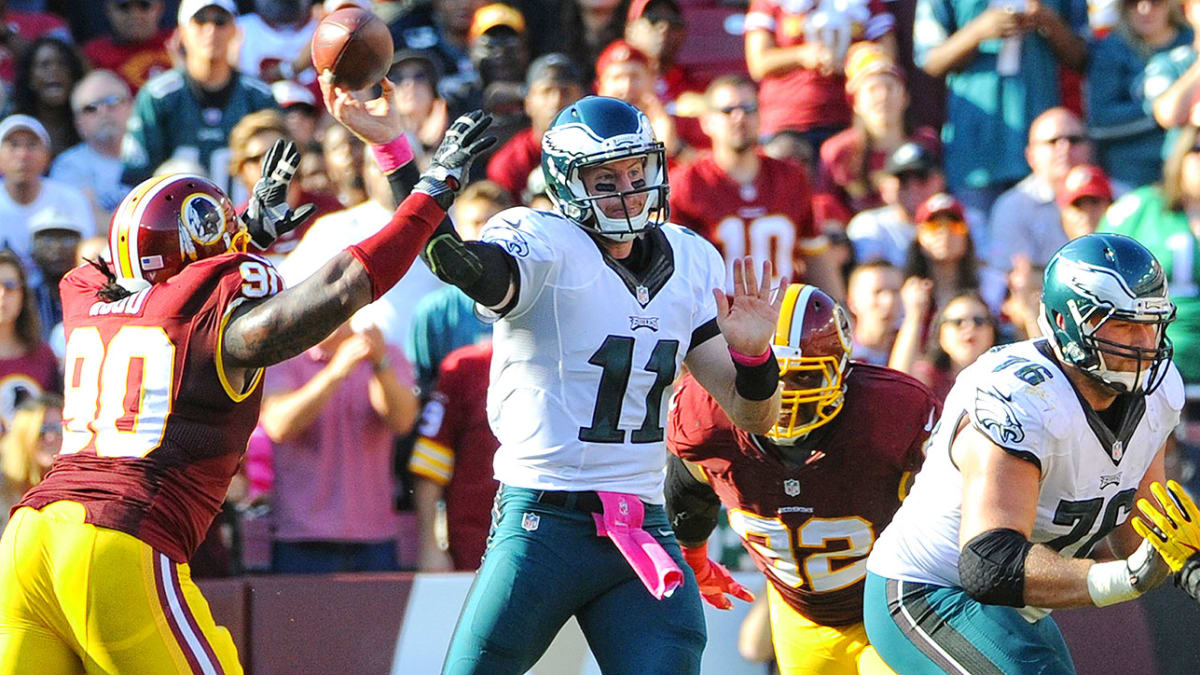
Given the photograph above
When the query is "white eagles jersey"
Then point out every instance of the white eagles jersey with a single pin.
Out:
(583, 363)
(1018, 397)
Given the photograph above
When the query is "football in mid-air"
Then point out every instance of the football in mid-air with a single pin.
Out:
(354, 46)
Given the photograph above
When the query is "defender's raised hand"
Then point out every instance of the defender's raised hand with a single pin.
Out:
(748, 317)
(268, 215)
(464, 141)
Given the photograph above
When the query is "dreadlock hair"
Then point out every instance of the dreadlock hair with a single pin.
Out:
(111, 291)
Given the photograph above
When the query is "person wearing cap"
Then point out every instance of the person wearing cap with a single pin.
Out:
(54, 236)
(847, 179)
(274, 41)
(910, 175)
(24, 192)
(1161, 217)
(137, 48)
(188, 112)
(1120, 91)
(423, 112)
(1025, 219)
(1085, 195)
(102, 105)
(300, 113)
(734, 196)
(623, 72)
(552, 83)
(991, 101)
(941, 259)
(796, 52)
(497, 44)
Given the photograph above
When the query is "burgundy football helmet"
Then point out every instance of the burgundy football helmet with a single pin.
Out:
(812, 345)
(166, 223)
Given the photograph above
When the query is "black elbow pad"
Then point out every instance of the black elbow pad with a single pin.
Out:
(991, 567)
(692, 506)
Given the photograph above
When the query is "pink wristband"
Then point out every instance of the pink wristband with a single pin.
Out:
(749, 361)
(393, 154)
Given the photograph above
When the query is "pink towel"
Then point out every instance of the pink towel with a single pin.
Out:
(622, 522)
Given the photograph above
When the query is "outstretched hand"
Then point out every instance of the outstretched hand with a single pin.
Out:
(268, 215)
(748, 317)
(376, 121)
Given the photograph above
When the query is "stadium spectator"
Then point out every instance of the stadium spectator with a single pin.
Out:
(497, 44)
(343, 153)
(102, 105)
(28, 446)
(312, 173)
(747, 203)
(19, 28)
(942, 251)
(1085, 195)
(992, 101)
(796, 51)
(452, 462)
(332, 413)
(873, 297)
(624, 72)
(1025, 219)
(1163, 218)
(425, 114)
(1023, 304)
(46, 74)
(300, 113)
(445, 319)
(440, 27)
(249, 142)
(910, 175)
(1129, 142)
(658, 29)
(552, 83)
(24, 157)
(137, 48)
(587, 27)
(963, 330)
(54, 236)
(274, 41)
(847, 181)
(28, 367)
(187, 113)
(1170, 80)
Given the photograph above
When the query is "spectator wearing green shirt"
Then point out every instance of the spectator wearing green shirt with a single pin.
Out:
(1170, 78)
(1165, 219)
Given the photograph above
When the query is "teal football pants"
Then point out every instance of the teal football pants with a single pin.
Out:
(923, 628)
(544, 564)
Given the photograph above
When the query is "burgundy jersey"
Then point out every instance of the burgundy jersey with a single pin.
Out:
(456, 447)
(769, 219)
(810, 528)
(152, 429)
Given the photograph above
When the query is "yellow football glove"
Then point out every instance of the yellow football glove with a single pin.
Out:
(1176, 531)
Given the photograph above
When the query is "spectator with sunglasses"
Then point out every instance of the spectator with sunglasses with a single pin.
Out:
(102, 106)
(910, 175)
(942, 253)
(187, 113)
(964, 329)
(1164, 218)
(137, 48)
(28, 446)
(1025, 219)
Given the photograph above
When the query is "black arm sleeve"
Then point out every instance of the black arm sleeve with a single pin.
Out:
(484, 271)
(402, 180)
(692, 505)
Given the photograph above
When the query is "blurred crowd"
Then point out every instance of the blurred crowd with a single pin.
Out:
(920, 160)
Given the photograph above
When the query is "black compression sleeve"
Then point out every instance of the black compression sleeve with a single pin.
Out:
(692, 505)
(402, 180)
(499, 272)
(757, 383)
(991, 567)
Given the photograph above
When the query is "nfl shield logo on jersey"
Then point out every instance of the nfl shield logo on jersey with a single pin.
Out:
(791, 487)
(530, 521)
(1118, 449)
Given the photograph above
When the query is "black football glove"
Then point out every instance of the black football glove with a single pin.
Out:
(452, 159)
(268, 216)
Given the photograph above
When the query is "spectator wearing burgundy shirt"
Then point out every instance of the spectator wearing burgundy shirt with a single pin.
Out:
(800, 69)
(553, 83)
(657, 28)
(137, 48)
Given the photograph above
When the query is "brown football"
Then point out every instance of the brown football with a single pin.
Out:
(353, 45)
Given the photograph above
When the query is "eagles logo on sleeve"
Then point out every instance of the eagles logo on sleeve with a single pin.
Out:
(995, 414)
